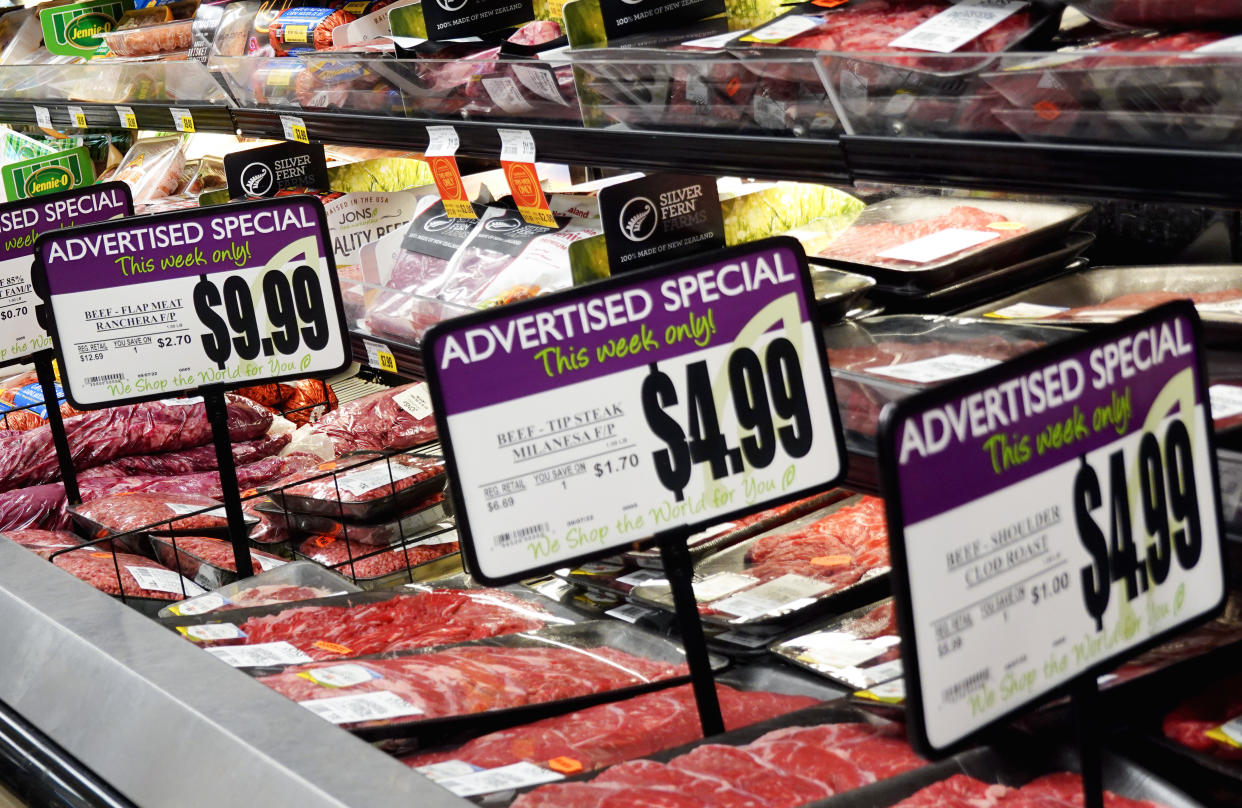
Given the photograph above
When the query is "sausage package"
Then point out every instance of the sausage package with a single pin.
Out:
(305, 29)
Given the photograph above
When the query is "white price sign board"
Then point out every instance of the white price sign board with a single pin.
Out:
(1050, 517)
(21, 335)
(666, 400)
(230, 296)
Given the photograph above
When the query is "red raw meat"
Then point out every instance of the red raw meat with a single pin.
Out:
(193, 551)
(1190, 720)
(38, 506)
(959, 791)
(46, 542)
(204, 483)
(363, 482)
(188, 461)
(473, 679)
(862, 243)
(269, 595)
(536, 33)
(1161, 13)
(872, 25)
(29, 458)
(377, 423)
(1060, 790)
(611, 733)
(121, 513)
(100, 571)
(362, 561)
(409, 523)
(878, 622)
(401, 623)
(840, 548)
(1133, 303)
(781, 769)
(272, 528)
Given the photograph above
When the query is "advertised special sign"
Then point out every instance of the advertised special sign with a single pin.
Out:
(598, 417)
(658, 218)
(148, 307)
(47, 174)
(21, 223)
(1049, 517)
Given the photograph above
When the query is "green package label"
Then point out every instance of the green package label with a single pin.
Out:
(48, 174)
(77, 29)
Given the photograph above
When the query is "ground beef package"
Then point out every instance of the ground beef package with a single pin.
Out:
(365, 491)
(46, 542)
(205, 483)
(138, 577)
(366, 564)
(189, 461)
(400, 418)
(207, 561)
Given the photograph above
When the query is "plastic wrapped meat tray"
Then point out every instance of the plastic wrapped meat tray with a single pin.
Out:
(142, 583)
(926, 243)
(135, 515)
(533, 675)
(45, 542)
(858, 650)
(828, 560)
(342, 626)
(883, 359)
(209, 562)
(800, 758)
(399, 418)
(361, 488)
(288, 583)
(429, 515)
(371, 567)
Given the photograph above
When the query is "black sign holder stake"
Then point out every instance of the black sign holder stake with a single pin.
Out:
(1085, 699)
(218, 417)
(679, 569)
(64, 457)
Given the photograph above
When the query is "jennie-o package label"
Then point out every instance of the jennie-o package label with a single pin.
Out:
(77, 29)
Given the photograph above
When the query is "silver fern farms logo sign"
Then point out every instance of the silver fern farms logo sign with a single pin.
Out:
(639, 219)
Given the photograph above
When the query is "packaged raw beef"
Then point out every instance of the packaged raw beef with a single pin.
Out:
(273, 527)
(782, 768)
(1200, 721)
(38, 506)
(189, 461)
(128, 575)
(46, 542)
(288, 583)
(418, 519)
(397, 623)
(859, 650)
(204, 483)
(606, 734)
(130, 516)
(374, 567)
(400, 418)
(208, 561)
(1058, 789)
(361, 488)
(465, 680)
(29, 458)
(305, 29)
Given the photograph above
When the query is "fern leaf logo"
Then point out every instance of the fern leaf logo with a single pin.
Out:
(638, 219)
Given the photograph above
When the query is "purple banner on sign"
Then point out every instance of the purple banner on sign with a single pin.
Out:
(574, 338)
(21, 222)
(1016, 425)
(159, 247)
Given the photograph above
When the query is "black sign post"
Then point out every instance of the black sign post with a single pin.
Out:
(641, 408)
(194, 302)
(1082, 525)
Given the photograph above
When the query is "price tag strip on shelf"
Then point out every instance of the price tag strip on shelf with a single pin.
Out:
(1050, 517)
(517, 159)
(126, 117)
(442, 144)
(671, 399)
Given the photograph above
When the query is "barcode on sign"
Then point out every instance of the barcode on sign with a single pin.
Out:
(520, 535)
(107, 378)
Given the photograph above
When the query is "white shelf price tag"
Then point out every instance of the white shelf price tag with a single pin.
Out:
(78, 116)
(182, 119)
(295, 128)
(517, 146)
(442, 141)
(379, 356)
(697, 394)
(127, 118)
(145, 308)
(43, 116)
(1081, 522)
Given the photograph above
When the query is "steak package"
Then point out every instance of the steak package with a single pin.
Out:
(287, 583)
(29, 458)
(127, 575)
(208, 561)
(360, 488)
(38, 506)
(859, 650)
(606, 734)
(1062, 788)
(374, 567)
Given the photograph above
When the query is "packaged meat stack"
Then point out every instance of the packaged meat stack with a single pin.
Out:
(442, 684)
(152, 168)
(607, 734)
(807, 567)
(366, 487)
(372, 567)
(858, 650)
(523, 85)
(145, 584)
(130, 518)
(813, 755)
(301, 401)
(287, 583)
(394, 419)
(883, 359)
(417, 520)
(209, 562)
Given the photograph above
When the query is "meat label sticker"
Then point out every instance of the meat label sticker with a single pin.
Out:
(212, 632)
(229, 296)
(21, 222)
(517, 158)
(1226, 401)
(158, 580)
(260, 655)
(1025, 311)
(936, 368)
(346, 675)
(200, 605)
(936, 246)
(502, 778)
(358, 483)
(958, 25)
(1080, 523)
(362, 707)
(787, 593)
(673, 398)
(630, 613)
